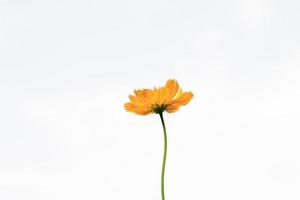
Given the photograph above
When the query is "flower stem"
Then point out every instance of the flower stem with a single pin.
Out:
(164, 158)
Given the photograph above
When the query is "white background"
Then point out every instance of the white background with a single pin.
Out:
(67, 67)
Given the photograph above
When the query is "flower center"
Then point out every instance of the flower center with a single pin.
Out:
(159, 108)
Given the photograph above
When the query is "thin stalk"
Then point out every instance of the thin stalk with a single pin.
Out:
(164, 158)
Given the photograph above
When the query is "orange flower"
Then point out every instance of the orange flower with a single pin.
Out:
(166, 98)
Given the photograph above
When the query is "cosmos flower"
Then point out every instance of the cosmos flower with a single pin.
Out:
(166, 98)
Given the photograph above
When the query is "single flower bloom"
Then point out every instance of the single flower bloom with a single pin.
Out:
(166, 98)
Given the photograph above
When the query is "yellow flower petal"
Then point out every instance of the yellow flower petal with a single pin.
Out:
(141, 110)
(173, 87)
(183, 99)
(172, 108)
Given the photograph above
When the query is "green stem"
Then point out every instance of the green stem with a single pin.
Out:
(164, 158)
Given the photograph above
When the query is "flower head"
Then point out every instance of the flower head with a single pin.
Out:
(166, 98)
